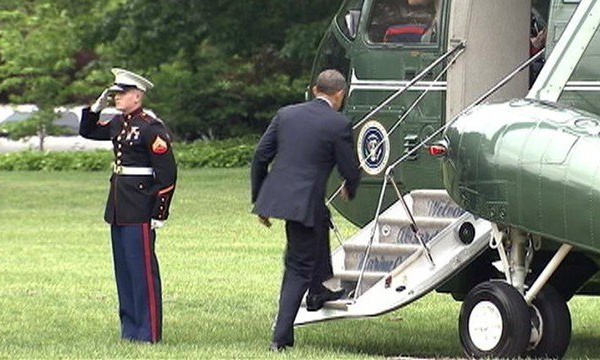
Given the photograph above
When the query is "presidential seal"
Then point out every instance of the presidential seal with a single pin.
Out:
(373, 147)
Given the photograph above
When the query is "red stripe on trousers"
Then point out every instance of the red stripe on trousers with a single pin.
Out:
(150, 280)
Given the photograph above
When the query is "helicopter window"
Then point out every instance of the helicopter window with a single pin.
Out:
(403, 21)
(537, 37)
(332, 55)
(349, 16)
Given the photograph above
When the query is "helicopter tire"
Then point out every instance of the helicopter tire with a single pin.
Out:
(551, 317)
(494, 321)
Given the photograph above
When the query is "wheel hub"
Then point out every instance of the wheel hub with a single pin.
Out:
(537, 327)
(485, 325)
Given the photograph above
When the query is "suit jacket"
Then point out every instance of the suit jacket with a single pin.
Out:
(139, 140)
(304, 142)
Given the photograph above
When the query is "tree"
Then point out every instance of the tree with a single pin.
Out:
(245, 27)
(224, 98)
(40, 123)
(221, 68)
(143, 34)
(37, 43)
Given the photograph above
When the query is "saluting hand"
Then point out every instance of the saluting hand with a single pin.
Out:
(101, 102)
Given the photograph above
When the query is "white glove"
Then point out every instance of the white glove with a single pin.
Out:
(101, 102)
(156, 224)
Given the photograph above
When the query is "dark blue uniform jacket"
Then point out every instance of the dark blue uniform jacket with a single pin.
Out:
(139, 140)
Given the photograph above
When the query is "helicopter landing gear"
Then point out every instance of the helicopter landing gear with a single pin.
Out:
(508, 319)
(494, 321)
(551, 325)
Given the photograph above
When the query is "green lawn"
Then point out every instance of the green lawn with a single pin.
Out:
(221, 273)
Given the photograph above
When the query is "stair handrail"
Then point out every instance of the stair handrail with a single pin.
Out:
(388, 175)
(478, 101)
(414, 80)
(458, 50)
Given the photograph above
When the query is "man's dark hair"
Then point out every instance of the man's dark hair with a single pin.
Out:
(330, 82)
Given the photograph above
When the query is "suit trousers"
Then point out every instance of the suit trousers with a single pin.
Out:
(138, 282)
(307, 263)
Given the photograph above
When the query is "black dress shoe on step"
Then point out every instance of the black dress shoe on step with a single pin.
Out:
(275, 347)
(315, 302)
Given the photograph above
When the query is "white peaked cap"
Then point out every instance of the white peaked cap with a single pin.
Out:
(129, 79)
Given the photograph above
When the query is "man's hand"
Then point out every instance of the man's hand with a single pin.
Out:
(344, 194)
(539, 41)
(265, 221)
(101, 102)
(156, 224)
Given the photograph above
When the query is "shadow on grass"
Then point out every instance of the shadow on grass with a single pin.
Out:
(434, 339)
(384, 337)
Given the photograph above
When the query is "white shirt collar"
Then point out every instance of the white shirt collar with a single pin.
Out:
(326, 100)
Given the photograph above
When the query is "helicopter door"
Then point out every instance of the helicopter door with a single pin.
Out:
(496, 34)
(396, 40)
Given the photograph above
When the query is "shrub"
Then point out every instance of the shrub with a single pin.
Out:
(205, 154)
(55, 161)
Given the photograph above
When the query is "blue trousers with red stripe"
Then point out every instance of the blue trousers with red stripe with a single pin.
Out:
(138, 282)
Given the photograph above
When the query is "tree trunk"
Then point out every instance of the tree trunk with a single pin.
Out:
(42, 136)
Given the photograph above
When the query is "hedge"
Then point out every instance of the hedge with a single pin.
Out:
(206, 154)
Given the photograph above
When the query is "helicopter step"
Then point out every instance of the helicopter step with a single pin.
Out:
(395, 242)
(397, 270)
(434, 204)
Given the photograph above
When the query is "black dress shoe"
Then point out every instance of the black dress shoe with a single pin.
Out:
(316, 301)
(275, 347)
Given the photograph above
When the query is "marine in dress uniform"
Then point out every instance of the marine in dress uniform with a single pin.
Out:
(304, 142)
(141, 190)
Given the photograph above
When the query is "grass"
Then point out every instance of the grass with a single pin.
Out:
(221, 273)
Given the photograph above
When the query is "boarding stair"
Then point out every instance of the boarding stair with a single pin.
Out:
(412, 247)
(386, 268)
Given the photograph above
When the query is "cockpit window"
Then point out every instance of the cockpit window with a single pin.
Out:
(403, 21)
(349, 16)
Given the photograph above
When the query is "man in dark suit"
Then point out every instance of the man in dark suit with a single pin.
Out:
(307, 140)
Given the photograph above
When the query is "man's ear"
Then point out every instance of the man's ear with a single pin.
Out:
(339, 99)
(314, 91)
